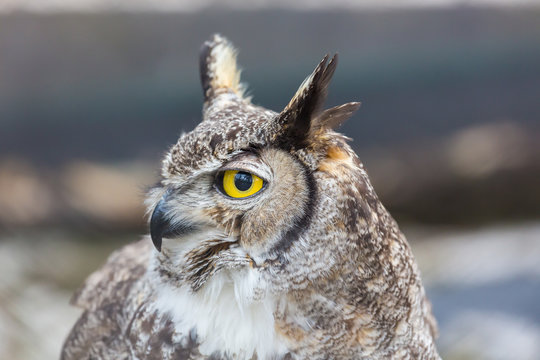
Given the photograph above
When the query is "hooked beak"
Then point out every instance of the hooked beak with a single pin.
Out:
(162, 226)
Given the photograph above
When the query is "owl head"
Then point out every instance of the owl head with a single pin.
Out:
(250, 188)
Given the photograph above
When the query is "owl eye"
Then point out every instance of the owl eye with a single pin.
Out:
(239, 184)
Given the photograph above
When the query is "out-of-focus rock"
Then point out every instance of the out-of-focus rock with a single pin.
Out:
(25, 197)
(473, 257)
(484, 285)
(481, 151)
(40, 271)
(484, 335)
(112, 194)
(482, 173)
(78, 194)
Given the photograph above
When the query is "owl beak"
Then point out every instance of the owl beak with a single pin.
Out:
(161, 225)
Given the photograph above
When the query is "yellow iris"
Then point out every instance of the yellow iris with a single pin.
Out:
(240, 184)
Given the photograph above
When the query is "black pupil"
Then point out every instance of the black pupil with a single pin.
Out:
(243, 181)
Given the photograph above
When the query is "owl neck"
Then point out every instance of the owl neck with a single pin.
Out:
(362, 290)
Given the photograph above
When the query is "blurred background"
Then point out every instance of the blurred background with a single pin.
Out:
(93, 92)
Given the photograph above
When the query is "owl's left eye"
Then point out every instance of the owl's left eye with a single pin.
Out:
(239, 184)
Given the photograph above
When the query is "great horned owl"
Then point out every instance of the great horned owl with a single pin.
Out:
(269, 242)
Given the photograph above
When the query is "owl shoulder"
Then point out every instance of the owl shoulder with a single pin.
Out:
(114, 280)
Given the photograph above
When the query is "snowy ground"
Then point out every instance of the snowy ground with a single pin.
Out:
(484, 285)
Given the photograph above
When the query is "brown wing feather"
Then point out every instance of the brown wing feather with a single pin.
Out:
(113, 281)
(120, 320)
(100, 331)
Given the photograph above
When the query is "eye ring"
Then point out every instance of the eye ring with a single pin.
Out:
(239, 184)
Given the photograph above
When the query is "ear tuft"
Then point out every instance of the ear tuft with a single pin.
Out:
(335, 117)
(306, 103)
(218, 68)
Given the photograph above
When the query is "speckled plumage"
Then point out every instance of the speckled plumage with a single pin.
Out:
(311, 267)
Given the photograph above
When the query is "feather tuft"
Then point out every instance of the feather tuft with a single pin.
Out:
(335, 117)
(218, 68)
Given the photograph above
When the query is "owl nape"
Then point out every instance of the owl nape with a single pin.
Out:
(267, 241)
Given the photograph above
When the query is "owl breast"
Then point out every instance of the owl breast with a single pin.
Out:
(229, 316)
